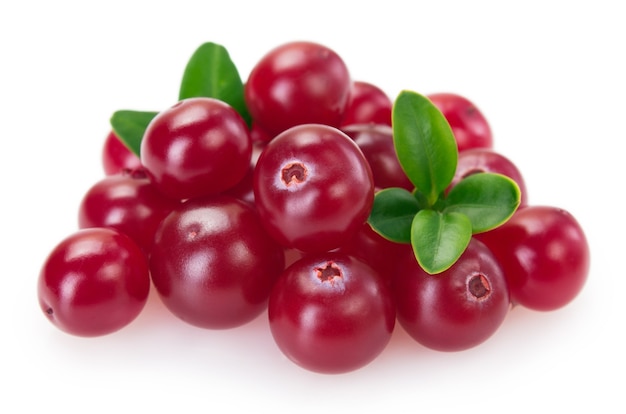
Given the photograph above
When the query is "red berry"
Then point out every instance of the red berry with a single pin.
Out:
(478, 160)
(117, 157)
(368, 105)
(94, 282)
(544, 254)
(200, 146)
(331, 313)
(457, 309)
(469, 125)
(298, 83)
(213, 264)
(376, 143)
(313, 188)
(128, 202)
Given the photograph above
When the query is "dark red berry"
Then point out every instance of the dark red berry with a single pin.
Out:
(94, 282)
(331, 313)
(457, 309)
(200, 146)
(213, 264)
(116, 156)
(544, 253)
(368, 105)
(313, 188)
(128, 202)
(468, 123)
(298, 83)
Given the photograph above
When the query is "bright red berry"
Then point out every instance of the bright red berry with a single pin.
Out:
(544, 253)
(94, 282)
(331, 313)
(298, 83)
(200, 146)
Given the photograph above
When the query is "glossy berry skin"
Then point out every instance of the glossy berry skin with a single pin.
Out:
(128, 202)
(544, 254)
(368, 105)
(376, 143)
(376, 251)
(116, 156)
(313, 188)
(94, 282)
(298, 83)
(212, 263)
(331, 313)
(468, 123)
(478, 160)
(457, 309)
(200, 146)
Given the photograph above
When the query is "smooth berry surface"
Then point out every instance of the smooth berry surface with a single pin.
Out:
(469, 125)
(313, 188)
(454, 310)
(298, 83)
(212, 263)
(368, 105)
(128, 202)
(116, 156)
(94, 282)
(545, 255)
(376, 143)
(199, 146)
(331, 313)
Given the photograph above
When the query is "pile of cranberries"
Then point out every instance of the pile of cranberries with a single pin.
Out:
(229, 220)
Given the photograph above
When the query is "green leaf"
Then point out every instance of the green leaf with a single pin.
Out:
(439, 238)
(424, 143)
(130, 126)
(211, 73)
(488, 199)
(392, 214)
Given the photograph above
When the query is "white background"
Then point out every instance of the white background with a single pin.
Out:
(549, 76)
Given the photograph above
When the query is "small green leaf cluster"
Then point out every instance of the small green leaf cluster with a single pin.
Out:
(210, 73)
(438, 221)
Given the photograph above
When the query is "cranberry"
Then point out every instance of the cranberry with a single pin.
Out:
(298, 83)
(200, 146)
(477, 160)
(368, 105)
(376, 143)
(94, 282)
(331, 313)
(128, 202)
(456, 309)
(212, 263)
(469, 125)
(313, 188)
(545, 256)
(117, 157)
(373, 249)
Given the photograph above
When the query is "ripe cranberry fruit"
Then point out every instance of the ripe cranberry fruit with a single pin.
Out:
(469, 125)
(331, 313)
(94, 282)
(200, 146)
(456, 309)
(298, 83)
(478, 160)
(313, 188)
(368, 105)
(376, 143)
(128, 202)
(117, 157)
(376, 251)
(212, 263)
(544, 254)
